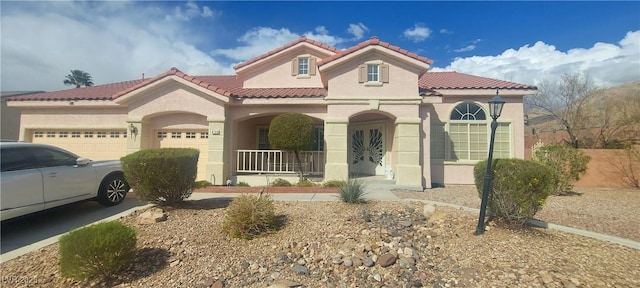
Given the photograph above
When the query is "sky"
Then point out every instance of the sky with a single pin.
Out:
(523, 42)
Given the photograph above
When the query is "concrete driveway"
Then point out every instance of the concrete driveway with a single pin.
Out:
(22, 235)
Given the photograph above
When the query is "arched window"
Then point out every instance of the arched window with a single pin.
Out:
(468, 111)
(466, 135)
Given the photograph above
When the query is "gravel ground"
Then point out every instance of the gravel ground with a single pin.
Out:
(612, 211)
(332, 244)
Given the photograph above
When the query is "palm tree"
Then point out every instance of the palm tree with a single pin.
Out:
(79, 78)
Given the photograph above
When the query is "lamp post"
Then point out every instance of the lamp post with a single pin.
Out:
(495, 108)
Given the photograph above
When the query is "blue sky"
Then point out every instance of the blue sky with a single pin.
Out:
(525, 42)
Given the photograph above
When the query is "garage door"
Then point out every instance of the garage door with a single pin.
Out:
(198, 139)
(92, 144)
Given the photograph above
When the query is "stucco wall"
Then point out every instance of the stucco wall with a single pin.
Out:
(276, 72)
(343, 81)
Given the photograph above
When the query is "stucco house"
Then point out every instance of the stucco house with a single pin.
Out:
(377, 110)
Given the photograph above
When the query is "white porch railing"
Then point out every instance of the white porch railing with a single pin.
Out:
(276, 161)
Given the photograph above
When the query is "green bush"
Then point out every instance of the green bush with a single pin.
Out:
(519, 187)
(243, 184)
(568, 164)
(279, 182)
(164, 176)
(202, 184)
(306, 183)
(249, 216)
(97, 251)
(334, 183)
(353, 192)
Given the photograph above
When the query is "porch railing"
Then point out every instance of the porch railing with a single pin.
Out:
(278, 162)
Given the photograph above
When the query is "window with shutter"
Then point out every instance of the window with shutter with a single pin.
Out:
(373, 73)
(303, 66)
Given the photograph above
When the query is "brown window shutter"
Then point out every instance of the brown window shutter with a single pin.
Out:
(362, 73)
(312, 66)
(294, 67)
(384, 73)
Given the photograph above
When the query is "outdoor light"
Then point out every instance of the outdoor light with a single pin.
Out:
(495, 108)
(133, 129)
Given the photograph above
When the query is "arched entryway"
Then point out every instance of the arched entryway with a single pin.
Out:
(370, 142)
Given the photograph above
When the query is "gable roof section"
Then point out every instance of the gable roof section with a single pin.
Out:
(285, 47)
(171, 72)
(372, 42)
(455, 80)
(97, 92)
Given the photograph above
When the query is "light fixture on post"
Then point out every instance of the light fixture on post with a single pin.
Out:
(133, 129)
(495, 109)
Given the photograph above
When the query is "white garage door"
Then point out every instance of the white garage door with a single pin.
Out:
(92, 144)
(198, 139)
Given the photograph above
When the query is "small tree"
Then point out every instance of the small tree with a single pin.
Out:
(78, 78)
(567, 163)
(292, 132)
(567, 102)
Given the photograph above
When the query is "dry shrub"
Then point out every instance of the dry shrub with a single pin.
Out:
(249, 216)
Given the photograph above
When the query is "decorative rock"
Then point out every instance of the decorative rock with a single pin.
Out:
(151, 216)
(337, 260)
(356, 261)
(367, 262)
(377, 277)
(300, 269)
(404, 263)
(405, 223)
(386, 260)
(348, 262)
(262, 270)
(283, 283)
(428, 210)
(217, 284)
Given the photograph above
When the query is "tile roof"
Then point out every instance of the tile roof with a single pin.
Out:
(176, 72)
(97, 92)
(290, 44)
(455, 80)
(373, 41)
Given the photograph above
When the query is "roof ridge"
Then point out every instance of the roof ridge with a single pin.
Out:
(284, 47)
(374, 40)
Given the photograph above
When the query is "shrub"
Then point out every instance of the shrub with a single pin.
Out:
(279, 182)
(519, 187)
(334, 183)
(202, 184)
(243, 184)
(97, 251)
(306, 183)
(164, 176)
(249, 216)
(352, 192)
(568, 164)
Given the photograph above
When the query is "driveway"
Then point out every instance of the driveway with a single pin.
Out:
(21, 235)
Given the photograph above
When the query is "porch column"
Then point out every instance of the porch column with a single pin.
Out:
(215, 167)
(335, 137)
(407, 146)
(134, 135)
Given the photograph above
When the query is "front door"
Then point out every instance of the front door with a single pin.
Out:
(367, 149)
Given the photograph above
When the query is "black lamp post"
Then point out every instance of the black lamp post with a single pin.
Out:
(495, 108)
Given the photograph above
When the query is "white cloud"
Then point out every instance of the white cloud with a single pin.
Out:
(466, 49)
(262, 39)
(445, 31)
(605, 63)
(357, 30)
(418, 33)
(42, 41)
(192, 11)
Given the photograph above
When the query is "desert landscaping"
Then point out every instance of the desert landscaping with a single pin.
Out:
(378, 244)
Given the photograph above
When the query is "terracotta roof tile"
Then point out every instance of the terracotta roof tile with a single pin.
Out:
(280, 92)
(176, 72)
(373, 41)
(97, 92)
(454, 80)
(290, 44)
